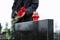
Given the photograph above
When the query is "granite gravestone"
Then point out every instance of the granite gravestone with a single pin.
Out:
(34, 30)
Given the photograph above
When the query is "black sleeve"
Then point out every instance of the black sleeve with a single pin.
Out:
(13, 14)
(15, 6)
(32, 8)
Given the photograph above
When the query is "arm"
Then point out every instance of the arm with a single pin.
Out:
(13, 9)
(13, 14)
(15, 6)
(32, 8)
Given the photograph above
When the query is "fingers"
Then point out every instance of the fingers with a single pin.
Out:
(12, 21)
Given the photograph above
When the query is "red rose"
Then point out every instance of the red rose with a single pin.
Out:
(23, 9)
(20, 12)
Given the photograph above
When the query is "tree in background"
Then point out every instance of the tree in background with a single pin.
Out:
(7, 31)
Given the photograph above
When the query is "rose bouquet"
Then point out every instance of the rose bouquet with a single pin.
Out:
(19, 14)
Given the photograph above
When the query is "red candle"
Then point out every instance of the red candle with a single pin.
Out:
(35, 16)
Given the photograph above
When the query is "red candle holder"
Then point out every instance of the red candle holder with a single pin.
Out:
(35, 16)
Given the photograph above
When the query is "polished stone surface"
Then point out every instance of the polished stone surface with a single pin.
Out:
(39, 30)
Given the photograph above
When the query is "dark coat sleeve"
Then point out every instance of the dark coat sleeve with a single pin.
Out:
(32, 8)
(15, 7)
(13, 14)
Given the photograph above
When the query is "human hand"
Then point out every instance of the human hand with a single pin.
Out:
(11, 21)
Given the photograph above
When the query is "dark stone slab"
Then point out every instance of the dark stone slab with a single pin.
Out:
(39, 30)
(45, 29)
(25, 26)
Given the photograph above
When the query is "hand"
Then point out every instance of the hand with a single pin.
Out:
(12, 21)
